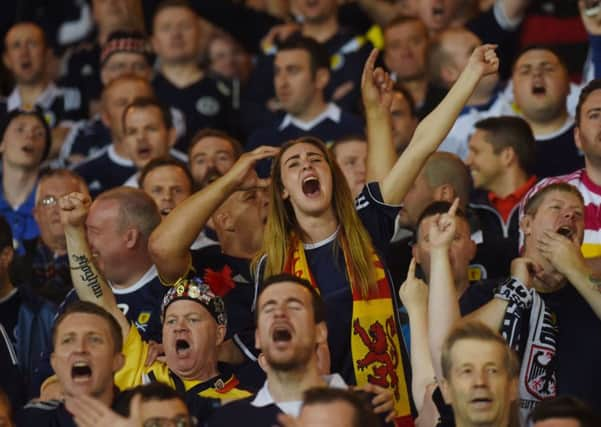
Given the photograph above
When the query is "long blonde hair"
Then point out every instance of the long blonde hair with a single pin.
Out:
(282, 229)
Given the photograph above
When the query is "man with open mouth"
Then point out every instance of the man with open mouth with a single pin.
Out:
(87, 344)
(551, 298)
(193, 326)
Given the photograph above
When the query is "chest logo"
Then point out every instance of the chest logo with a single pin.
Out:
(208, 106)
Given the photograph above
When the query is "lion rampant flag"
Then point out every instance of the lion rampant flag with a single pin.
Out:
(375, 337)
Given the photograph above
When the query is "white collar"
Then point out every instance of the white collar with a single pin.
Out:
(44, 100)
(565, 127)
(323, 242)
(332, 112)
(116, 158)
(264, 397)
(146, 277)
(132, 181)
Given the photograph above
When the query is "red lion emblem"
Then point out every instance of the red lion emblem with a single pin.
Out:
(382, 352)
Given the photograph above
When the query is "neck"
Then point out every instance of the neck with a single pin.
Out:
(511, 180)
(18, 183)
(204, 373)
(29, 93)
(317, 228)
(6, 288)
(119, 147)
(182, 74)
(417, 88)
(289, 386)
(232, 245)
(137, 266)
(322, 30)
(461, 286)
(317, 107)
(540, 129)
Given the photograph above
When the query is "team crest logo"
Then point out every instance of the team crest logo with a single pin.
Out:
(382, 357)
(143, 317)
(207, 106)
(541, 381)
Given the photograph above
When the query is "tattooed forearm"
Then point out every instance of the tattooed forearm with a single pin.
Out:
(88, 276)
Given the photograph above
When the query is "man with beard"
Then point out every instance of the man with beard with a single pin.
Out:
(290, 318)
(193, 326)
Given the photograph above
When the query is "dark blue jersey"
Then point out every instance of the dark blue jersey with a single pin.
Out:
(236, 271)
(22, 223)
(329, 126)
(58, 104)
(348, 53)
(9, 313)
(243, 409)
(328, 268)
(105, 170)
(83, 70)
(45, 414)
(86, 139)
(208, 103)
(141, 304)
(557, 154)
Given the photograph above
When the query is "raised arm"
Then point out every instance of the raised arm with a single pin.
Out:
(414, 294)
(435, 126)
(169, 243)
(443, 305)
(376, 92)
(89, 284)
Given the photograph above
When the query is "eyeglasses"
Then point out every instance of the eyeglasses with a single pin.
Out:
(180, 421)
(48, 201)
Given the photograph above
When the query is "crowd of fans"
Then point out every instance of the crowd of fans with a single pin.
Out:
(300, 213)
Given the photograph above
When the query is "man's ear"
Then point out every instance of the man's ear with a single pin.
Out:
(321, 333)
(171, 137)
(132, 235)
(223, 221)
(220, 335)
(507, 156)
(526, 224)
(577, 139)
(118, 361)
(322, 78)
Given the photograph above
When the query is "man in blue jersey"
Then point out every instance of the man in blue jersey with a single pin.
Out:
(301, 74)
(118, 225)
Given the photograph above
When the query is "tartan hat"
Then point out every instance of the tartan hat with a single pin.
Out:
(195, 289)
(125, 41)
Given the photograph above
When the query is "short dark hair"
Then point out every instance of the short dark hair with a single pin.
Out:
(511, 132)
(38, 114)
(479, 331)
(586, 91)
(319, 308)
(318, 54)
(164, 161)
(152, 391)
(363, 413)
(565, 407)
(344, 140)
(404, 19)
(215, 133)
(436, 208)
(91, 308)
(540, 46)
(532, 204)
(149, 102)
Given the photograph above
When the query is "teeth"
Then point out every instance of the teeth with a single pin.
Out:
(309, 178)
(80, 364)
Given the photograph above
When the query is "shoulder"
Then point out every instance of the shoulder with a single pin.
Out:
(50, 413)
(231, 414)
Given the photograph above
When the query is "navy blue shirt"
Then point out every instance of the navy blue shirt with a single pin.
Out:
(105, 170)
(22, 223)
(208, 103)
(141, 304)
(329, 126)
(86, 139)
(45, 414)
(558, 154)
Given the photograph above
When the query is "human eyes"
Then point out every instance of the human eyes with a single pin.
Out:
(171, 321)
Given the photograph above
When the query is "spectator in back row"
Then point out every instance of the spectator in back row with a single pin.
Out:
(301, 74)
(112, 166)
(25, 55)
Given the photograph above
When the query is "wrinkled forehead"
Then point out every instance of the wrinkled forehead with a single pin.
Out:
(301, 149)
(210, 145)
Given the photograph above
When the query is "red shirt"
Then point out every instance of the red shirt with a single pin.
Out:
(504, 205)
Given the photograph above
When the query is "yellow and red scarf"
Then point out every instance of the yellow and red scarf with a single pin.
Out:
(375, 339)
